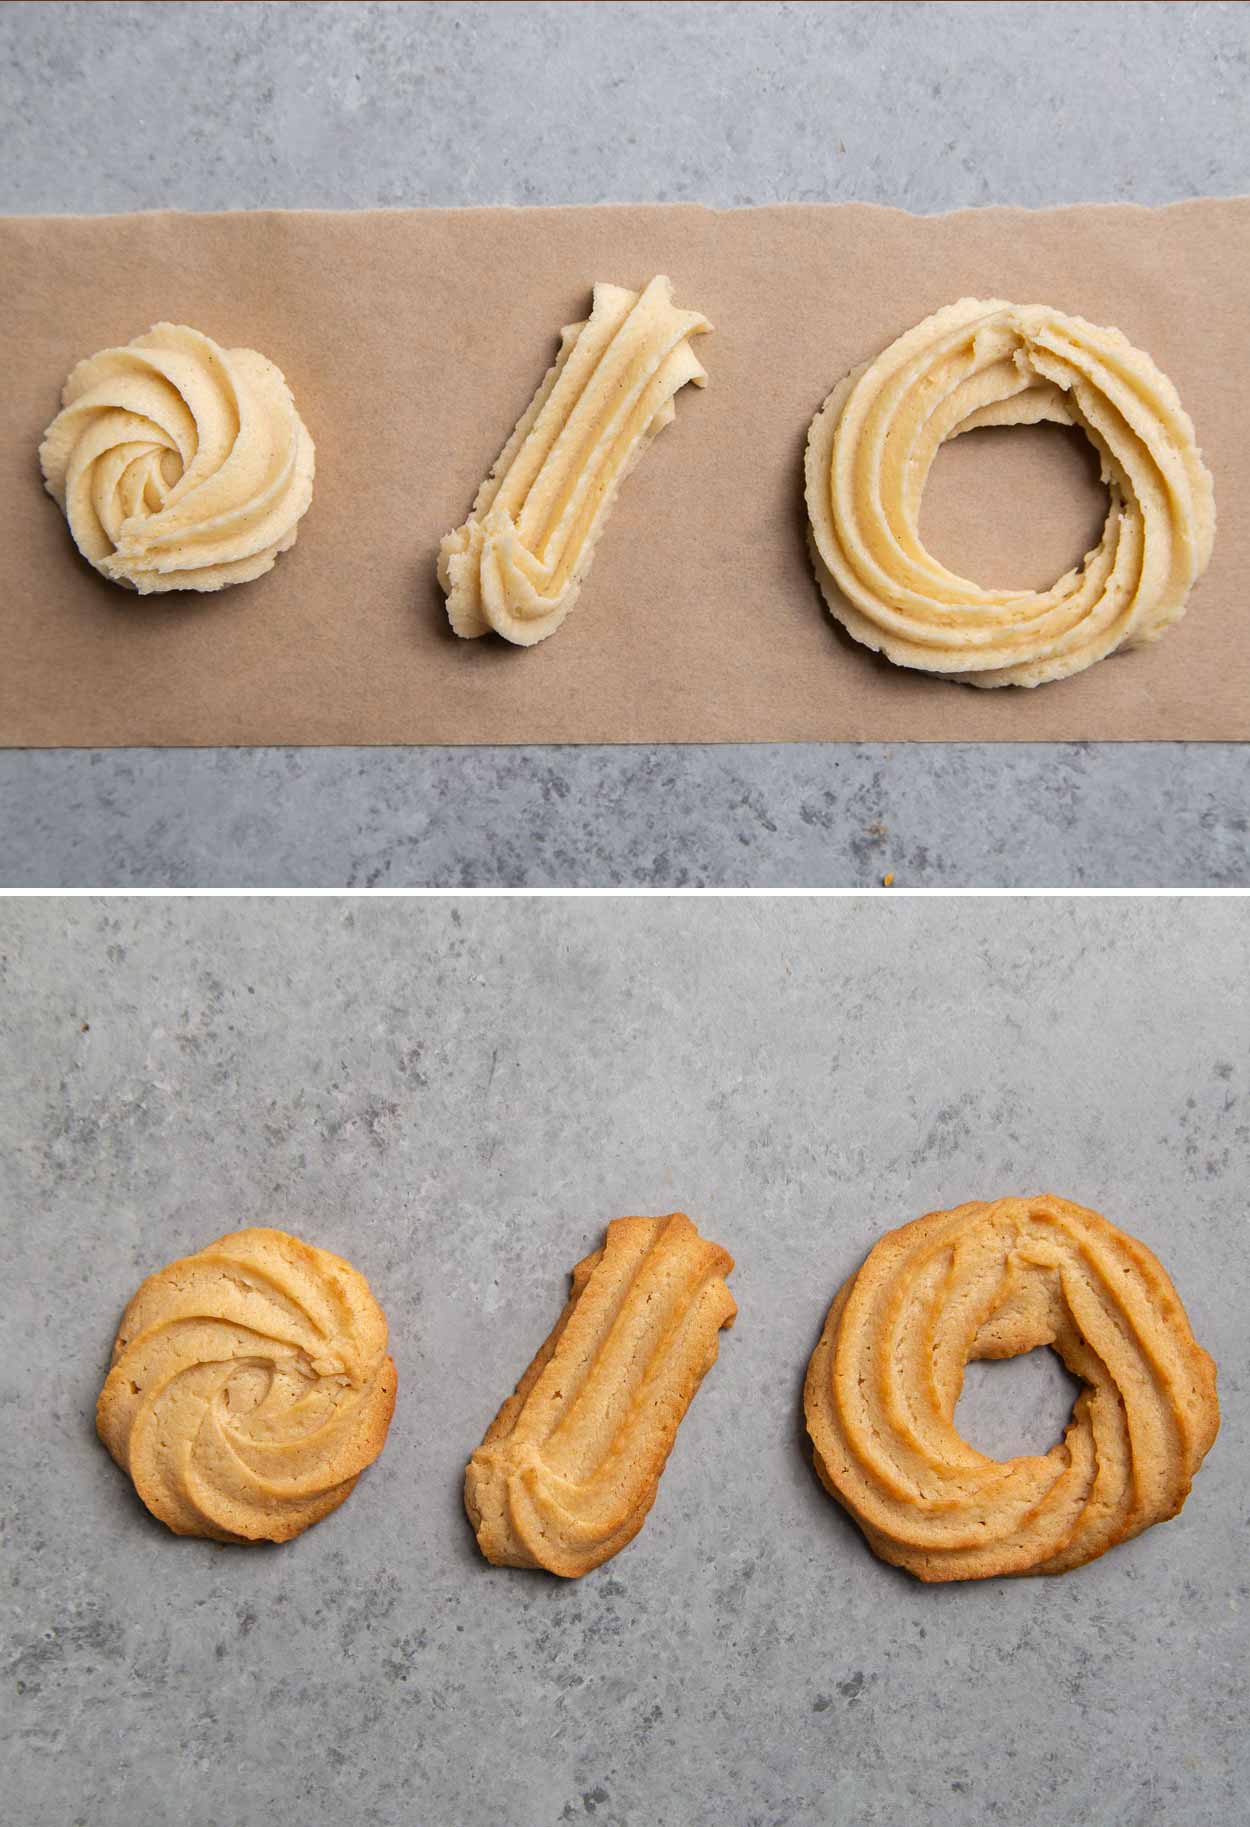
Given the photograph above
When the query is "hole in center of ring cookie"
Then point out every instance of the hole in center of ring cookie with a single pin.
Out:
(1014, 507)
(1013, 1406)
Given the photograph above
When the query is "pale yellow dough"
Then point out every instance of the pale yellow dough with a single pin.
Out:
(987, 362)
(178, 464)
(517, 563)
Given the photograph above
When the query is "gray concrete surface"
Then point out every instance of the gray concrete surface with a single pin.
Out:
(930, 107)
(458, 1094)
(1110, 815)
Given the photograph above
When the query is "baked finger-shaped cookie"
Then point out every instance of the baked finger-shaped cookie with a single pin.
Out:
(178, 464)
(518, 562)
(987, 362)
(991, 1281)
(250, 1387)
(570, 1465)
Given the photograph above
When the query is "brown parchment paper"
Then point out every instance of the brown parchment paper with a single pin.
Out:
(413, 339)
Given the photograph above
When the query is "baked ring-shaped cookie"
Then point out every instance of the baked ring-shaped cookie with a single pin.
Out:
(250, 1387)
(990, 1281)
(517, 563)
(179, 465)
(570, 1466)
(987, 362)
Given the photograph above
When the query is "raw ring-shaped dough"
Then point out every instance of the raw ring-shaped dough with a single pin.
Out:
(987, 362)
(991, 1281)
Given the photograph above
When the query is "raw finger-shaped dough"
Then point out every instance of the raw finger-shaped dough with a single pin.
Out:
(518, 562)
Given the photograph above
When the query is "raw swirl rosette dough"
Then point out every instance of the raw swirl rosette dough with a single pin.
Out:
(570, 1466)
(250, 1387)
(178, 464)
(990, 1281)
(518, 562)
(986, 362)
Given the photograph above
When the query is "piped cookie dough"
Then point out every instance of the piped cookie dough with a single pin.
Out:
(179, 465)
(250, 1387)
(570, 1466)
(991, 1280)
(987, 362)
(518, 562)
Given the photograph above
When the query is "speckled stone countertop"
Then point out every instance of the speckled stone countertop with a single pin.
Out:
(458, 1095)
(927, 107)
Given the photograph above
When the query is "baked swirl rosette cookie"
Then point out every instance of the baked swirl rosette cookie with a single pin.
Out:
(179, 465)
(987, 362)
(250, 1387)
(570, 1466)
(990, 1281)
